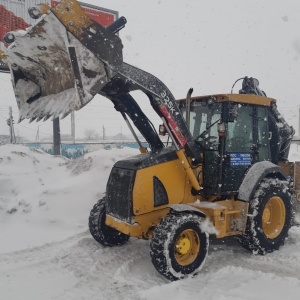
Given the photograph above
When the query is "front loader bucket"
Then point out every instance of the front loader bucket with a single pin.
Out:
(59, 64)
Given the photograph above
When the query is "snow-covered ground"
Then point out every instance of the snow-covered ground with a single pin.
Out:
(46, 251)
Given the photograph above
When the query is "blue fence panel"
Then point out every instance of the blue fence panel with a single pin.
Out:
(73, 151)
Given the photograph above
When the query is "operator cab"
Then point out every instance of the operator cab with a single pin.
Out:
(233, 132)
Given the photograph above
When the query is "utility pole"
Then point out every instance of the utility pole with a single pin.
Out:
(56, 137)
(73, 126)
(10, 123)
(103, 130)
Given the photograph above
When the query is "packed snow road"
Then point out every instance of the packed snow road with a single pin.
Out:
(76, 268)
(79, 268)
(46, 251)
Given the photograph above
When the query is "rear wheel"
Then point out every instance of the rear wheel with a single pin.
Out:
(102, 233)
(270, 215)
(179, 246)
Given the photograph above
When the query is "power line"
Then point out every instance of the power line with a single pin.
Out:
(34, 130)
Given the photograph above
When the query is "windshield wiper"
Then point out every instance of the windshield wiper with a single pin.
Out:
(201, 135)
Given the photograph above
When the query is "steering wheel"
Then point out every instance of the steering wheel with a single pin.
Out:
(208, 141)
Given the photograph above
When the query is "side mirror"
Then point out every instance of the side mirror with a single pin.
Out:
(162, 130)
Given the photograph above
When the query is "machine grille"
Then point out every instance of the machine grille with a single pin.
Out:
(119, 194)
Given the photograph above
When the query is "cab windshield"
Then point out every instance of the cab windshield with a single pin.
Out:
(204, 118)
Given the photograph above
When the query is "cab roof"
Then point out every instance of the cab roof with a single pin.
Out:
(238, 98)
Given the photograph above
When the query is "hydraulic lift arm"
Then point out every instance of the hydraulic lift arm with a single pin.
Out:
(63, 61)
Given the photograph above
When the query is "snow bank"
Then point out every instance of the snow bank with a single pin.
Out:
(48, 198)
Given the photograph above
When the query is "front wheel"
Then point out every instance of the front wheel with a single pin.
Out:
(179, 246)
(270, 215)
(102, 233)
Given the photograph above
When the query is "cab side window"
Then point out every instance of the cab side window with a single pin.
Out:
(263, 136)
(240, 133)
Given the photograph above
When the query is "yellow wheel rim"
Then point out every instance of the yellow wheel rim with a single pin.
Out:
(187, 247)
(273, 217)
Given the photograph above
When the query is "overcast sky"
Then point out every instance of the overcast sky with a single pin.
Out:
(206, 45)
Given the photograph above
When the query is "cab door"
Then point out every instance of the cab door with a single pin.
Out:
(240, 151)
(246, 143)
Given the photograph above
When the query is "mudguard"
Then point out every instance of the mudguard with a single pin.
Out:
(254, 176)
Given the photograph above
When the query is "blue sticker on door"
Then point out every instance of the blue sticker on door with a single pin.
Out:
(240, 159)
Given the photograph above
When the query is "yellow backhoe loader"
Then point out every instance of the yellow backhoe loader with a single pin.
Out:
(226, 172)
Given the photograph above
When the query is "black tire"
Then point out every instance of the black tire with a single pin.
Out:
(172, 255)
(269, 218)
(102, 233)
